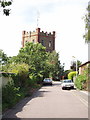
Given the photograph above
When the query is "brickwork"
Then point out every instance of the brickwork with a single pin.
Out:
(46, 39)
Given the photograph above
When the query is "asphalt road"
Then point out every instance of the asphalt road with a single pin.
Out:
(52, 102)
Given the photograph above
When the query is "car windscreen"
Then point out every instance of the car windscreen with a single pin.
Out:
(67, 81)
(47, 80)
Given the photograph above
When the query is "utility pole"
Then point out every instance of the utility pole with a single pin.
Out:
(76, 64)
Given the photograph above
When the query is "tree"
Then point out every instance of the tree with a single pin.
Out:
(4, 4)
(73, 65)
(87, 24)
(55, 68)
(41, 64)
(3, 59)
(35, 56)
(66, 72)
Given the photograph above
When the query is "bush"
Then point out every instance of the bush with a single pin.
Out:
(21, 73)
(78, 82)
(81, 81)
(10, 95)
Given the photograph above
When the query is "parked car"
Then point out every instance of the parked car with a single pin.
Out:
(67, 84)
(47, 81)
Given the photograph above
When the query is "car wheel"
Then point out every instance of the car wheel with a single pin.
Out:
(72, 87)
(63, 88)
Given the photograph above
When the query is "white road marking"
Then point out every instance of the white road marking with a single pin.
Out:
(81, 99)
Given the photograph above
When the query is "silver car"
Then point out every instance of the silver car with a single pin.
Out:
(47, 81)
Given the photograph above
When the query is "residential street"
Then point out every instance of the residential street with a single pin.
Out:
(52, 102)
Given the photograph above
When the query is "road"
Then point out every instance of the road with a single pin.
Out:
(52, 102)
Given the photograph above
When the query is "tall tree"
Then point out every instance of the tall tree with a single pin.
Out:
(41, 64)
(87, 24)
(3, 57)
(73, 65)
(35, 56)
(56, 70)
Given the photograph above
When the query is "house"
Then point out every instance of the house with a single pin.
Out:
(82, 67)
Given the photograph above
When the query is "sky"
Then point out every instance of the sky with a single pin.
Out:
(62, 16)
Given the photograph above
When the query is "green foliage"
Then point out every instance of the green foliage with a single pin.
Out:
(66, 73)
(10, 95)
(3, 60)
(71, 75)
(40, 63)
(73, 65)
(33, 54)
(21, 73)
(54, 65)
(3, 57)
(81, 81)
(30, 67)
(87, 25)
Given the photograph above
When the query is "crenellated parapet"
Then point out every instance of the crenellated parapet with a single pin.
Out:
(25, 33)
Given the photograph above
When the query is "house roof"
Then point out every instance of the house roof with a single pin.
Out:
(84, 63)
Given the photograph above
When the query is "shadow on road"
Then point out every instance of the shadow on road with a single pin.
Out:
(70, 89)
(10, 114)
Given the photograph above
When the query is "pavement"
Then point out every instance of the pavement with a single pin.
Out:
(85, 92)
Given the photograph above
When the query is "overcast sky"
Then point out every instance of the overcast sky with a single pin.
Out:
(62, 16)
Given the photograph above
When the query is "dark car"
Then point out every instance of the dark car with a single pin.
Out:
(47, 81)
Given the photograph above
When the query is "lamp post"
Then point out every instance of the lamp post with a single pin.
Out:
(76, 65)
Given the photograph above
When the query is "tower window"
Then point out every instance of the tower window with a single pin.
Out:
(49, 43)
(42, 42)
(33, 40)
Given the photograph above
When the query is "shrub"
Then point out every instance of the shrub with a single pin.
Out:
(21, 73)
(10, 95)
(81, 81)
(78, 82)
